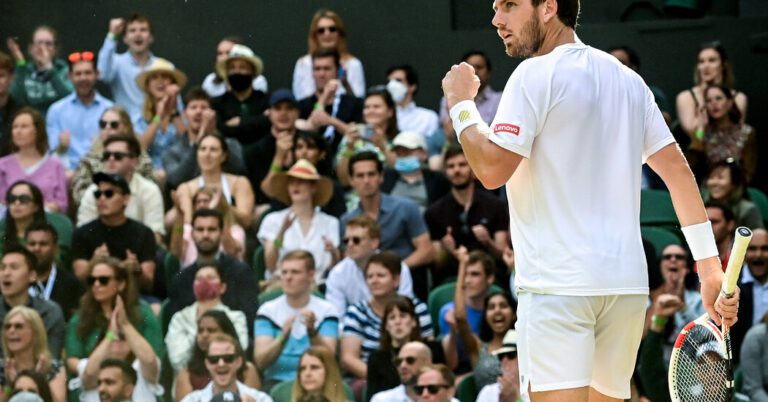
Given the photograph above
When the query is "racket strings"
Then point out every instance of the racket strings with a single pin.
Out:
(702, 368)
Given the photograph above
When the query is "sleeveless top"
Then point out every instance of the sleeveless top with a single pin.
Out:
(224, 188)
(488, 368)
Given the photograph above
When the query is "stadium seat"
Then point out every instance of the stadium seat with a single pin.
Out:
(442, 295)
(467, 391)
(257, 262)
(656, 209)
(659, 237)
(171, 266)
(282, 392)
(761, 201)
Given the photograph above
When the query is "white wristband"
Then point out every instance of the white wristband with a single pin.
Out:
(463, 115)
(701, 240)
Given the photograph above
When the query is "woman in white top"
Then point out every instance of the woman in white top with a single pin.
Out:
(302, 225)
(212, 153)
(327, 30)
(216, 85)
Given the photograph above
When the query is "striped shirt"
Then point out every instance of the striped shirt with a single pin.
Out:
(362, 322)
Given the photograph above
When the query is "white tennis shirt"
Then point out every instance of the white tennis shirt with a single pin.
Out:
(584, 124)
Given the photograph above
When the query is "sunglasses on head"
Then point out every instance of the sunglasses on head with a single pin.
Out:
(673, 256)
(431, 388)
(323, 30)
(106, 193)
(409, 360)
(214, 359)
(114, 124)
(103, 280)
(15, 325)
(23, 199)
(355, 240)
(80, 56)
(117, 155)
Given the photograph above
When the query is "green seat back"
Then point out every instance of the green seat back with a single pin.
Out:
(282, 391)
(659, 237)
(257, 262)
(656, 209)
(467, 391)
(761, 201)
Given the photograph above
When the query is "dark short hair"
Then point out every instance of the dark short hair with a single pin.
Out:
(567, 11)
(138, 17)
(480, 53)
(129, 374)
(410, 74)
(29, 258)
(483, 258)
(324, 52)
(364, 156)
(133, 144)
(301, 255)
(207, 213)
(634, 58)
(214, 265)
(453, 150)
(6, 63)
(725, 209)
(40, 226)
(388, 260)
(196, 94)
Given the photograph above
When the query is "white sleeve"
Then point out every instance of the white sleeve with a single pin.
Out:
(152, 203)
(86, 212)
(333, 292)
(270, 226)
(521, 110)
(179, 342)
(657, 134)
(303, 82)
(406, 281)
(260, 84)
(241, 326)
(355, 76)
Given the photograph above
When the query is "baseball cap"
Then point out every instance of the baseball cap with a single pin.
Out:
(409, 139)
(113, 178)
(282, 95)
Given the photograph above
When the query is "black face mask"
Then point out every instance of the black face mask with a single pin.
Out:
(239, 82)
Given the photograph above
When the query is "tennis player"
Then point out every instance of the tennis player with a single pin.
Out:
(570, 136)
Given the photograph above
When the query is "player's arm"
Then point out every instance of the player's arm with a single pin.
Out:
(492, 164)
(670, 164)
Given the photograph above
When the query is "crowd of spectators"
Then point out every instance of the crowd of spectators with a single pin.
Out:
(326, 242)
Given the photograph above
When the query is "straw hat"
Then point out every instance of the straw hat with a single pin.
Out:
(508, 344)
(241, 52)
(303, 170)
(165, 66)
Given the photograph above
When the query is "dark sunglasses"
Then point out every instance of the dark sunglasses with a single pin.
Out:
(114, 124)
(24, 199)
(431, 388)
(117, 155)
(409, 360)
(507, 355)
(214, 359)
(355, 240)
(106, 193)
(80, 56)
(673, 257)
(322, 30)
(15, 325)
(103, 280)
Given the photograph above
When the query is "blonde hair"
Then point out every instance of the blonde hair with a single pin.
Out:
(39, 335)
(341, 45)
(333, 386)
(148, 112)
(125, 118)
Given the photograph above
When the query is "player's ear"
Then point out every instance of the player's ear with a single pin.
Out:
(548, 10)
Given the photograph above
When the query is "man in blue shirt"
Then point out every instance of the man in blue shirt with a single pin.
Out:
(73, 121)
(402, 226)
(477, 280)
(119, 71)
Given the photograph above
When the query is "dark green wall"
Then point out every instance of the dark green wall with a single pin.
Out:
(382, 33)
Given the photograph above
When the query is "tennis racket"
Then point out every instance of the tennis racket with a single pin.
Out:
(700, 368)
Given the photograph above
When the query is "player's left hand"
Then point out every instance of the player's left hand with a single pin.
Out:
(460, 83)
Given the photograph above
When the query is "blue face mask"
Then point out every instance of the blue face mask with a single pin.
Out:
(407, 164)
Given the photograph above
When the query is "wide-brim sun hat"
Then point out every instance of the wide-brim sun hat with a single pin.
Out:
(161, 65)
(304, 170)
(241, 52)
(508, 344)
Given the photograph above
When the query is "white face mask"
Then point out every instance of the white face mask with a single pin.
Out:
(398, 90)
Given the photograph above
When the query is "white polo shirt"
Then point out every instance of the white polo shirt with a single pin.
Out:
(584, 124)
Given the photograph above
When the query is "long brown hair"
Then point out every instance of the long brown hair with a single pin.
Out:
(403, 305)
(41, 134)
(341, 45)
(91, 315)
(333, 386)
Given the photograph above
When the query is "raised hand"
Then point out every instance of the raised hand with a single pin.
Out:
(460, 83)
(116, 26)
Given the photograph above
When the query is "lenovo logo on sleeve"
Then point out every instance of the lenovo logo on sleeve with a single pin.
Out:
(506, 128)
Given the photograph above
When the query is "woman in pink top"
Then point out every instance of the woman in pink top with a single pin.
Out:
(29, 160)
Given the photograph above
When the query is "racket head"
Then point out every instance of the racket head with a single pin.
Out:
(700, 368)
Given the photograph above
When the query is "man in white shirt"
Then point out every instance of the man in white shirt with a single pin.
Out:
(121, 157)
(403, 85)
(411, 358)
(223, 360)
(116, 381)
(507, 387)
(572, 132)
(346, 283)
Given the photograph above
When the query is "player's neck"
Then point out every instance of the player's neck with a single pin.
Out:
(558, 35)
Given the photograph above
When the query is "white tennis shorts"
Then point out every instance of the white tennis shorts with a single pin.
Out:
(577, 341)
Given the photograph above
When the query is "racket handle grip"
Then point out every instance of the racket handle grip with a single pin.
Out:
(740, 242)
